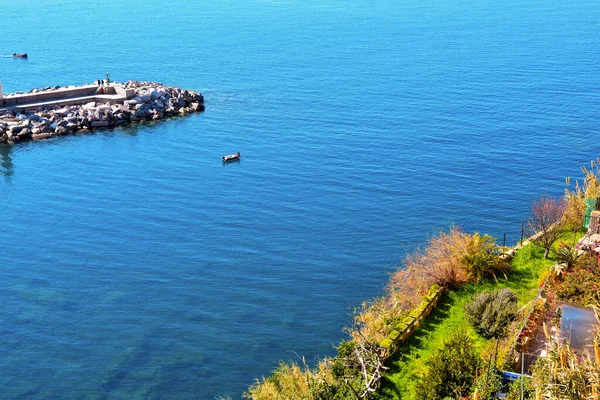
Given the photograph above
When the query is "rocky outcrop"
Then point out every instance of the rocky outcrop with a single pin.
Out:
(151, 102)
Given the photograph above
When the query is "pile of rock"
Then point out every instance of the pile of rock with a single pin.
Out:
(152, 101)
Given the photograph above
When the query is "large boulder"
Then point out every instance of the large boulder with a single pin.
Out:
(15, 129)
(25, 134)
(197, 107)
(37, 136)
(61, 112)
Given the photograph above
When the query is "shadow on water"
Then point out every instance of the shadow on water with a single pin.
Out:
(232, 162)
(6, 161)
(406, 351)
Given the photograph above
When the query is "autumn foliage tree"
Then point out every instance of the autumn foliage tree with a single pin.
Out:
(454, 258)
(545, 221)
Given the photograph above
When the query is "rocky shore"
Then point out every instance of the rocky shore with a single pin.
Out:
(146, 101)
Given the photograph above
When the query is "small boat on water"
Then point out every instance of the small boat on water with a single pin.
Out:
(231, 157)
(23, 55)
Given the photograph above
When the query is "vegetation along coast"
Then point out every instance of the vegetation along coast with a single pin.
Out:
(466, 318)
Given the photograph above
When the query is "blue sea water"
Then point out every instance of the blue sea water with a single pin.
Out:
(135, 265)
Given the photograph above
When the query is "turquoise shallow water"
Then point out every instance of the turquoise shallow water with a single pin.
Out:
(136, 265)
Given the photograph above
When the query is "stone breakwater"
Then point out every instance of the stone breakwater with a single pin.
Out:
(110, 105)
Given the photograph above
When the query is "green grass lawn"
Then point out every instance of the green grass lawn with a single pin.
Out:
(407, 367)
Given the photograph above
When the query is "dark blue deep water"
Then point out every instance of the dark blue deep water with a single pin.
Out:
(135, 265)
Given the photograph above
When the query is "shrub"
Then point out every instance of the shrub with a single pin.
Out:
(574, 214)
(568, 255)
(452, 259)
(490, 312)
(291, 381)
(450, 372)
(514, 390)
(581, 285)
(375, 319)
(488, 384)
(575, 209)
(483, 257)
(440, 262)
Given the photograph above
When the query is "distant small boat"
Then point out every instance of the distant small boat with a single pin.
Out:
(15, 55)
(231, 157)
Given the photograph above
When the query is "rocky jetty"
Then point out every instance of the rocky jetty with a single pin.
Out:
(147, 101)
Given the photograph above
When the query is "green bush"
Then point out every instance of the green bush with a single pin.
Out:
(568, 255)
(489, 384)
(482, 256)
(346, 348)
(450, 372)
(581, 285)
(490, 312)
(514, 391)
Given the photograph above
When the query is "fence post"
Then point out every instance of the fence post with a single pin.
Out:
(522, 232)
(522, 374)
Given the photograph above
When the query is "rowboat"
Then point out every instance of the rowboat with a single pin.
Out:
(231, 157)
(15, 55)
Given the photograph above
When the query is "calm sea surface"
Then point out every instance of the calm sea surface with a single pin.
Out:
(135, 265)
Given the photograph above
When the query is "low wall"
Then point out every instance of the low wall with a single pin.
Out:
(58, 94)
(405, 329)
(67, 96)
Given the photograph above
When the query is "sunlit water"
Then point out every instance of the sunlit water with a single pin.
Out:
(136, 265)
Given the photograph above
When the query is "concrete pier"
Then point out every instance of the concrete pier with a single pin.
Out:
(45, 113)
(67, 96)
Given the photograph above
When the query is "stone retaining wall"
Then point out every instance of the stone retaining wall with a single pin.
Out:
(407, 327)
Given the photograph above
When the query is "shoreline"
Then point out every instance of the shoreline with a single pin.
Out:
(56, 111)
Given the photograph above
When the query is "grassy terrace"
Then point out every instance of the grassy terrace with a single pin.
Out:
(408, 365)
